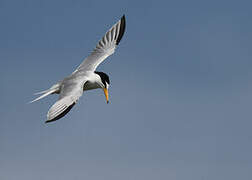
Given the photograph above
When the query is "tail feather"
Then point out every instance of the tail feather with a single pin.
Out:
(44, 95)
(54, 89)
(42, 92)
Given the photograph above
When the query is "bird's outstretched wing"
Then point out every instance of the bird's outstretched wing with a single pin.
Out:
(71, 91)
(105, 47)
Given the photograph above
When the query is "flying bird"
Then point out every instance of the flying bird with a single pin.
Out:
(85, 77)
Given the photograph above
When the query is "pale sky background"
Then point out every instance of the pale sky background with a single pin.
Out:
(180, 94)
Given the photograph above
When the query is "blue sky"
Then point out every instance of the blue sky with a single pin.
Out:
(180, 94)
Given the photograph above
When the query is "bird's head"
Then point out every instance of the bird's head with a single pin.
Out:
(104, 83)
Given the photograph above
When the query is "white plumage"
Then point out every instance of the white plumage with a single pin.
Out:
(85, 77)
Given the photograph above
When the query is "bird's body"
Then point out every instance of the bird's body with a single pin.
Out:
(84, 77)
(92, 83)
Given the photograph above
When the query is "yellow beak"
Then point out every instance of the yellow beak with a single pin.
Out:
(106, 94)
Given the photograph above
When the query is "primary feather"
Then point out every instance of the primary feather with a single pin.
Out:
(71, 88)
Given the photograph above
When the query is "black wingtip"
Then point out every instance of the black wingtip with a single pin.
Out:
(122, 29)
(61, 115)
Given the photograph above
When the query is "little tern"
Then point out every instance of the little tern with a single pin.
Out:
(85, 77)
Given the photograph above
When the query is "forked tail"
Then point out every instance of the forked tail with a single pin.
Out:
(54, 89)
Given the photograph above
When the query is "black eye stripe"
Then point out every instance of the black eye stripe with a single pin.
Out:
(104, 77)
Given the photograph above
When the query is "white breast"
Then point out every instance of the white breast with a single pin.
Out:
(90, 85)
(94, 82)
